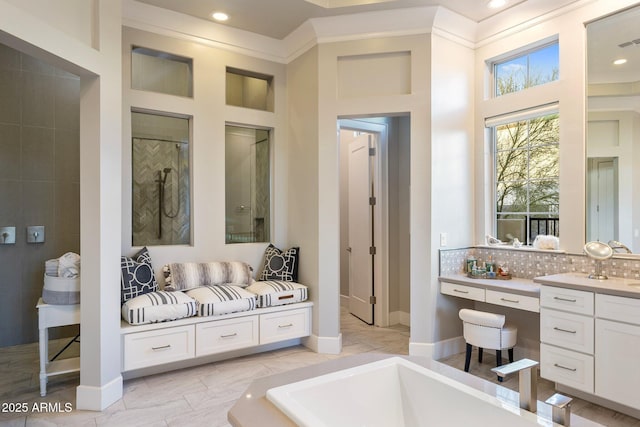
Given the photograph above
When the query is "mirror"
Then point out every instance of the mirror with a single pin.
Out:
(161, 200)
(613, 130)
(598, 251)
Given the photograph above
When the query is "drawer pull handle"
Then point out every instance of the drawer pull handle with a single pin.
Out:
(564, 330)
(285, 297)
(229, 335)
(162, 347)
(565, 299)
(515, 301)
(288, 325)
(564, 367)
(459, 291)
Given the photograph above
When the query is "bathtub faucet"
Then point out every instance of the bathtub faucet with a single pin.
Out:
(527, 381)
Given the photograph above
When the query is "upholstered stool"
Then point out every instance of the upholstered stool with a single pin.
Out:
(487, 330)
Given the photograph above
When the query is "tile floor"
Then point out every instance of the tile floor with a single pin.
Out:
(205, 393)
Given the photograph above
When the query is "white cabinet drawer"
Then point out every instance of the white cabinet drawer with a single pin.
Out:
(567, 367)
(568, 330)
(520, 302)
(142, 349)
(225, 335)
(462, 291)
(618, 308)
(572, 300)
(285, 325)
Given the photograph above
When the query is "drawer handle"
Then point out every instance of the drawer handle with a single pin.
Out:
(515, 301)
(285, 297)
(229, 335)
(564, 367)
(459, 291)
(564, 330)
(162, 347)
(565, 299)
(288, 325)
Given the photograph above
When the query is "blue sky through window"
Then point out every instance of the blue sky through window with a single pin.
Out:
(530, 69)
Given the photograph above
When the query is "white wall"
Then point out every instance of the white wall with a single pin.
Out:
(56, 37)
(209, 114)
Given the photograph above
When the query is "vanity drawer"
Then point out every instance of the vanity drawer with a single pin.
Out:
(462, 291)
(520, 302)
(142, 349)
(618, 308)
(567, 330)
(572, 300)
(225, 335)
(285, 325)
(567, 367)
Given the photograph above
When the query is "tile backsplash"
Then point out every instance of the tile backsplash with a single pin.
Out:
(527, 263)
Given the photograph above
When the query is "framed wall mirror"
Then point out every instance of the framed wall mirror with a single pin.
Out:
(613, 130)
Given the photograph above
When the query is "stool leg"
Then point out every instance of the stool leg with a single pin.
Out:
(498, 358)
(467, 359)
(480, 354)
(510, 355)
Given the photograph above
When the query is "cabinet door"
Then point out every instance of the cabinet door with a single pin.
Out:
(617, 358)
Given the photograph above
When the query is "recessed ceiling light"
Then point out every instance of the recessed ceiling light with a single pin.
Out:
(494, 4)
(620, 61)
(220, 16)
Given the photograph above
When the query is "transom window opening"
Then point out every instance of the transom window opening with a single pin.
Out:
(535, 67)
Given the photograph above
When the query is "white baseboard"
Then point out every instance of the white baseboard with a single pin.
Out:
(449, 347)
(344, 300)
(91, 398)
(400, 317)
(324, 345)
(420, 349)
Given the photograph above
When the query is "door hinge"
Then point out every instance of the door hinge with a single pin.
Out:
(372, 201)
(372, 299)
(372, 151)
(372, 250)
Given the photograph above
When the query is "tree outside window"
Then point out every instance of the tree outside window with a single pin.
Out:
(527, 178)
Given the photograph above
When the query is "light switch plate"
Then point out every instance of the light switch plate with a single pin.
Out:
(7, 235)
(35, 234)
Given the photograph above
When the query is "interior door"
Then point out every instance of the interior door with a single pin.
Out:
(602, 216)
(360, 229)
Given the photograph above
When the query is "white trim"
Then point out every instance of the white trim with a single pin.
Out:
(324, 345)
(448, 347)
(400, 318)
(92, 398)
(522, 115)
(421, 349)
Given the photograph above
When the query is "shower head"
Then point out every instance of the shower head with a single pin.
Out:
(166, 170)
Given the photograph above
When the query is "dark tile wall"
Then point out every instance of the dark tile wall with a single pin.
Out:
(39, 183)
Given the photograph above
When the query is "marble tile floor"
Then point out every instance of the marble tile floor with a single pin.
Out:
(201, 396)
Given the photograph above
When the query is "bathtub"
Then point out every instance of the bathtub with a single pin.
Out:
(393, 392)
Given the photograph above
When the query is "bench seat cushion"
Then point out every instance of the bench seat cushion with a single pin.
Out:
(223, 299)
(159, 306)
(277, 292)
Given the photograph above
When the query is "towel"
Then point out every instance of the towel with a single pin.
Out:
(51, 267)
(69, 265)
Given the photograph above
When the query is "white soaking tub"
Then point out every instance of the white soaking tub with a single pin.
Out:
(393, 392)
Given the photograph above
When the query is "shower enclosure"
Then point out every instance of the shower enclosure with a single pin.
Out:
(160, 178)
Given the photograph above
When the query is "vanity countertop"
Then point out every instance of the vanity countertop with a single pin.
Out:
(611, 286)
(515, 285)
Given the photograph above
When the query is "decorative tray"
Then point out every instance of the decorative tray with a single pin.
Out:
(484, 276)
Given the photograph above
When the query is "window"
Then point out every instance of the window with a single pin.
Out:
(249, 90)
(161, 72)
(534, 68)
(527, 177)
(247, 184)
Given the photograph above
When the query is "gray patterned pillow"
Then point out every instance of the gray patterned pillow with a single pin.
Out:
(280, 265)
(136, 276)
(189, 275)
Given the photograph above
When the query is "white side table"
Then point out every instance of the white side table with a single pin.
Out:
(50, 316)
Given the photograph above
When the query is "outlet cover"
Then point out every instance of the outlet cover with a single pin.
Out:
(35, 234)
(7, 235)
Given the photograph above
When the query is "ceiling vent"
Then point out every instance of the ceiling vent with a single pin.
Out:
(630, 43)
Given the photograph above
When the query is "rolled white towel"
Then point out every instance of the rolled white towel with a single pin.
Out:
(69, 265)
(51, 267)
(546, 242)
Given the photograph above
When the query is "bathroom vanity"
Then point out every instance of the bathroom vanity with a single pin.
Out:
(590, 338)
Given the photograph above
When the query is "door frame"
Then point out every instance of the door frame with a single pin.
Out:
(381, 212)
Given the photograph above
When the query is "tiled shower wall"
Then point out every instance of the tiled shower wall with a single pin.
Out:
(528, 264)
(39, 183)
